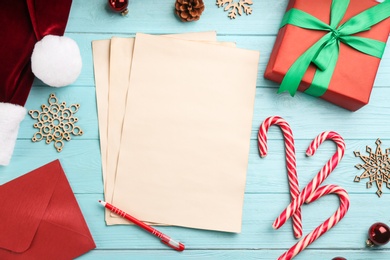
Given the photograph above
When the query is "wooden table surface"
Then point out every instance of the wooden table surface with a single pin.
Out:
(266, 192)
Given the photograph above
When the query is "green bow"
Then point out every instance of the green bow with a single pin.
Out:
(324, 53)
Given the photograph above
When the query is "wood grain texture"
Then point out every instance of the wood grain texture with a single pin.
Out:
(250, 254)
(266, 189)
(257, 233)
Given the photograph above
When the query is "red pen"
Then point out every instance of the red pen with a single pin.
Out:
(164, 238)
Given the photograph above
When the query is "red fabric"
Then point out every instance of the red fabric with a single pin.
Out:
(22, 24)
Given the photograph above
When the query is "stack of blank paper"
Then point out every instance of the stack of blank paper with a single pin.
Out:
(184, 130)
(112, 64)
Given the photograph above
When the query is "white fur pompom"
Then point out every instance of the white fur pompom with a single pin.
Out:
(56, 60)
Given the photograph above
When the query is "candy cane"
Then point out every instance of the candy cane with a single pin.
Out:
(324, 227)
(290, 162)
(318, 179)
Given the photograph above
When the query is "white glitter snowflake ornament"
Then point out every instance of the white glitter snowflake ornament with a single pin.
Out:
(376, 167)
(56, 122)
(236, 7)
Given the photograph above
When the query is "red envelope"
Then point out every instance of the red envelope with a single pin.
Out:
(40, 217)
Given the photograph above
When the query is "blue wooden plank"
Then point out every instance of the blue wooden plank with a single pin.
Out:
(319, 114)
(249, 254)
(159, 17)
(82, 164)
(260, 210)
(80, 160)
(309, 116)
(269, 174)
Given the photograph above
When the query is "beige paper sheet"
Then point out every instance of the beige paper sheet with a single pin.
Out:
(121, 53)
(186, 133)
(101, 56)
(121, 50)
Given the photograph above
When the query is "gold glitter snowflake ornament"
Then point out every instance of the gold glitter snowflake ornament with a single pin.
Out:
(56, 122)
(236, 7)
(376, 167)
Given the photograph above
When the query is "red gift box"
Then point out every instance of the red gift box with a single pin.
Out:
(354, 74)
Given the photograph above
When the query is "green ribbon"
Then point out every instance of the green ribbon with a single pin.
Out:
(324, 53)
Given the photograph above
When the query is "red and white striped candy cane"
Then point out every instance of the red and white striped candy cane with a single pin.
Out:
(318, 179)
(290, 162)
(324, 227)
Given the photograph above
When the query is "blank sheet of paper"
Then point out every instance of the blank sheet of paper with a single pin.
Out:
(101, 65)
(118, 56)
(186, 133)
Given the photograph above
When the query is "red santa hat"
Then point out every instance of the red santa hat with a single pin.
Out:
(24, 23)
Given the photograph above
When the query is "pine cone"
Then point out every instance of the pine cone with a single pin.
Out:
(189, 10)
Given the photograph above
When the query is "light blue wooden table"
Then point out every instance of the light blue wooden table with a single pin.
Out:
(267, 188)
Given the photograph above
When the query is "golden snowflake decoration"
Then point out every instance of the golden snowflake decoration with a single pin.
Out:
(236, 7)
(376, 167)
(56, 122)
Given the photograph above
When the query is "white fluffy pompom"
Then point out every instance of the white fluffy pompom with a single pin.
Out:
(56, 60)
